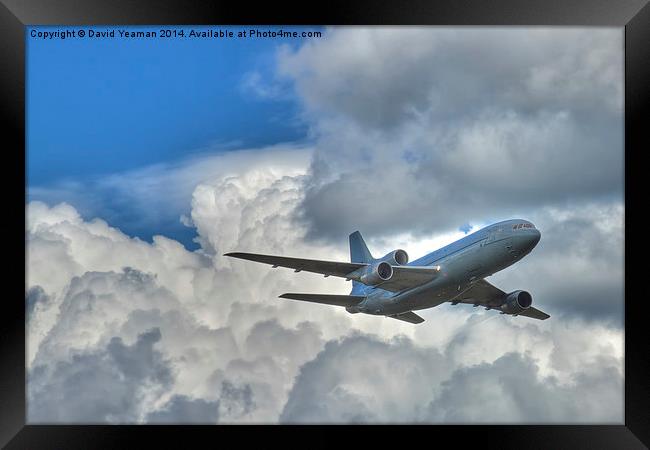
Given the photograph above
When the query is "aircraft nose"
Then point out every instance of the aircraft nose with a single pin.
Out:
(534, 238)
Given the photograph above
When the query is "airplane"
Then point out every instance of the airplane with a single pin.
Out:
(392, 286)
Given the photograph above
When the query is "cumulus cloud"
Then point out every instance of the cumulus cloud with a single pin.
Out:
(182, 409)
(233, 403)
(215, 316)
(108, 384)
(365, 379)
(408, 147)
(35, 296)
(510, 388)
(158, 197)
(233, 352)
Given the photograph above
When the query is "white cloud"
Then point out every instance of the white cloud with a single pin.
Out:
(365, 379)
(159, 196)
(254, 83)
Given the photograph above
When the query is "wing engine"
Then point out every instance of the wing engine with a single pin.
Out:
(376, 273)
(394, 278)
(516, 302)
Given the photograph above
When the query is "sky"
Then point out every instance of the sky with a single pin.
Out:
(96, 107)
(147, 160)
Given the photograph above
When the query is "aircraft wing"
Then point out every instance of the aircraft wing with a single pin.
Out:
(534, 313)
(406, 277)
(410, 317)
(327, 268)
(338, 300)
(486, 294)
(483, 293)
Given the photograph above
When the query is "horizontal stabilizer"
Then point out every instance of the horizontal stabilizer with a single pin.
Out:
(338, 300)
(410, 317)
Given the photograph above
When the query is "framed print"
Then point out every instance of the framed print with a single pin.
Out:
(419, 217)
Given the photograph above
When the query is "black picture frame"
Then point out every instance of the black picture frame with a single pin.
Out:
(15, 15)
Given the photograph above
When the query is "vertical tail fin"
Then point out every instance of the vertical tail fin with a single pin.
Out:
(359, 253)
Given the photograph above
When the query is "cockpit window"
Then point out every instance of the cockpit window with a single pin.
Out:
(522, 225)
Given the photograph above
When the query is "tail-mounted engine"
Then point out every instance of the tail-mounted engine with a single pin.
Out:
(380, 270)
(395, 258)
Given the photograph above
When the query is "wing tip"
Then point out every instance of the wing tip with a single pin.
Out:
(409, 317)
(240, 255)
(291, 296)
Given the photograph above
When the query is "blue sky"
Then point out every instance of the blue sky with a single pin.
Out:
(97, 107)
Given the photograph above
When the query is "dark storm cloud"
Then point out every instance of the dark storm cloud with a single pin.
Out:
(576, 270)
(382, 77)
(106, 385)
(480, 170)
(465, 125)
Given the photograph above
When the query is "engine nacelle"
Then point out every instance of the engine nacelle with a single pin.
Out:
(396, 258)
(516, 302)
(353, 309)
(377, 273)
